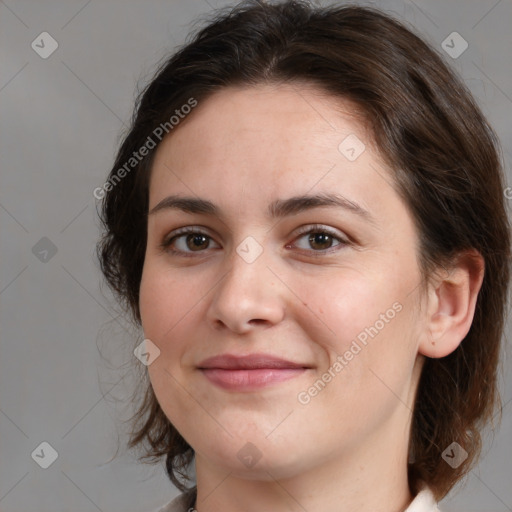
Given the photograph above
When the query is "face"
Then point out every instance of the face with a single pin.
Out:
(329, 287)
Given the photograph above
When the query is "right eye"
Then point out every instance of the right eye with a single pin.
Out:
(186, 241)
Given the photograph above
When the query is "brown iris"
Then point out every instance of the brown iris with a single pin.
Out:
(320, 239)
(197, 241)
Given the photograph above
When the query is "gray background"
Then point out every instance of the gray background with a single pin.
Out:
(61, 119)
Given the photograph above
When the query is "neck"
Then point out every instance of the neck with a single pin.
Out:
(372, 478)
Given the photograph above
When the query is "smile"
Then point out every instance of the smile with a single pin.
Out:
(249, 380)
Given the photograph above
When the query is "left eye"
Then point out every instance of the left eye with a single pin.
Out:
(320, 240)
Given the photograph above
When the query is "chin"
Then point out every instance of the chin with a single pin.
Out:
(256, 458)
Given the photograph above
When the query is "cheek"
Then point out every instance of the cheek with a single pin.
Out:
(364, 333)
(170, 305)
(164, 301)
(344, 306)
(166, 323)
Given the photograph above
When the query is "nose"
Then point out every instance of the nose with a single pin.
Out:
(249, 296)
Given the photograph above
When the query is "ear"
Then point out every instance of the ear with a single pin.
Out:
(451, 305)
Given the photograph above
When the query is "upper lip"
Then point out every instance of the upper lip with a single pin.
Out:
(247, 362)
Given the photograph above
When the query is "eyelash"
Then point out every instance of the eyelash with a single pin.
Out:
(316, 229)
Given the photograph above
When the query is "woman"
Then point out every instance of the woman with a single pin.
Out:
(307, 221)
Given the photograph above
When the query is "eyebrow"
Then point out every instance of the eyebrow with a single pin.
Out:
(277, 209)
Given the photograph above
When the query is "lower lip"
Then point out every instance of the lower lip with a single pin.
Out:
(248, 380)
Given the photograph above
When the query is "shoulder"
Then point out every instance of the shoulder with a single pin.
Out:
(182, 503)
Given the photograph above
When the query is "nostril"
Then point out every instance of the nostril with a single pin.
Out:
(258, 321)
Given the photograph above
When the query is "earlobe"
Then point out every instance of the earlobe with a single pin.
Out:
(451, 305)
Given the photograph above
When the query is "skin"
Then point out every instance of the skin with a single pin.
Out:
(347, 448)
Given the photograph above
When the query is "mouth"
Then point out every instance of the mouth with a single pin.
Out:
(249, 372)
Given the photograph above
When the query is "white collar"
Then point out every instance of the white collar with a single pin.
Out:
(423, 502)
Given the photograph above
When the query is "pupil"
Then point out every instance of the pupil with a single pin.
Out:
(321, 239)
(197, 241)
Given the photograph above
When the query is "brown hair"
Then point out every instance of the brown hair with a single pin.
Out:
(427, 128)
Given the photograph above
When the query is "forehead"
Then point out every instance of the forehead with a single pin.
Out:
(280, 139)
(290, 111)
